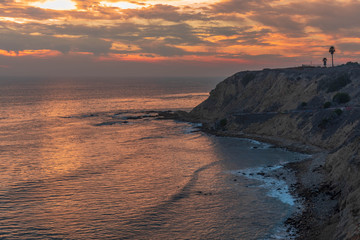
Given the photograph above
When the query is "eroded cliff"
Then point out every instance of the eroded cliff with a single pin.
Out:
(312, 106)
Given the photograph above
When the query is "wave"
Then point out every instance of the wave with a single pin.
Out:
(193, 128)
(272, 180)
(151, 137)
(258, 144)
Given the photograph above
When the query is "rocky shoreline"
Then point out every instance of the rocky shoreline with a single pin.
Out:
(318, 198)
(307, 110)
(304, 178)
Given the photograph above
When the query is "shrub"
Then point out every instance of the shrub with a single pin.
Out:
(327, 104)
(334, 84)
(341, 98)
(223, 122)
(338, 111)
(247, 78)
(323, 123)
(338, 83)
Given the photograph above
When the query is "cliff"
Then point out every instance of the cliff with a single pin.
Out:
(317, 107)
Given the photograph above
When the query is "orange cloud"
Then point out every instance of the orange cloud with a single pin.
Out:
(43, 53)
(153, 30)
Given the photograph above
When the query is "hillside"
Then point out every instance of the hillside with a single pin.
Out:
(317, 107)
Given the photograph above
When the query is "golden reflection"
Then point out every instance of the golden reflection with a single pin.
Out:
(61, 152)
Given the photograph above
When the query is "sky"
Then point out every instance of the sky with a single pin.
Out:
(174, 37)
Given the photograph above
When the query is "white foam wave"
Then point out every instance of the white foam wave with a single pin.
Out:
(194, 127)
(277, 188)
(258, 145)
(282, 232)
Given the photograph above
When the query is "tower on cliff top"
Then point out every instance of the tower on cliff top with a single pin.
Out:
(324, 61)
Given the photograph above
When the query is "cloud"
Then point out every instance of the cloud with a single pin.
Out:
(349, 47)
(97, 40)
(163, 50)
(14, 41)
(164, 12)
(234, 30)
(329, 17)
(239, 6)
(281, 23)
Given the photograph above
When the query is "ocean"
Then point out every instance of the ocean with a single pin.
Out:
(87, 158)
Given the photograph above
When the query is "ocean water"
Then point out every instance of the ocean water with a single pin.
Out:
(89, 159)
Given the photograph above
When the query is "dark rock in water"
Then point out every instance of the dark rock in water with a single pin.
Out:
(133, 117)
(90, 115)
(110, 123)
(261, 173)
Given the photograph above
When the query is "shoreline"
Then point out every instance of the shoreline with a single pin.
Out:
(309, 185)
(318, 200)
(275, 105)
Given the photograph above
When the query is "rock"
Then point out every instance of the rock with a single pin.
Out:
(264, 105)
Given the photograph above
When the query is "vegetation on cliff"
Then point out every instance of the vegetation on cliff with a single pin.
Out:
(313, 106)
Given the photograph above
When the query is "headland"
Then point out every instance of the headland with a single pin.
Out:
(307, 109)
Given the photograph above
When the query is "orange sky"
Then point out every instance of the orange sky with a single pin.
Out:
(180, 37)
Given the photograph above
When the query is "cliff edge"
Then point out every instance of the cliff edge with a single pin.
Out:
(315, 107)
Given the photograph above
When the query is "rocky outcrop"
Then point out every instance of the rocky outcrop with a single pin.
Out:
(312, 106)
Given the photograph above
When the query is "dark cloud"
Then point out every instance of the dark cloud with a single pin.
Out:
(91, 39)
(227, 31)
(240, 6)
(282, 23)
(14, 41)
(178, 33)
(164, 12)
(30, 13)
(337, 18)
(163, 50)
(350, 47)
(330, 17)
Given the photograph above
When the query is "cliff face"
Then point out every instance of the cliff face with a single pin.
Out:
(316, 106)
(280, 90)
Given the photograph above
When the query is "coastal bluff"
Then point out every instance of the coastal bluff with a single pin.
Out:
(311, 109)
